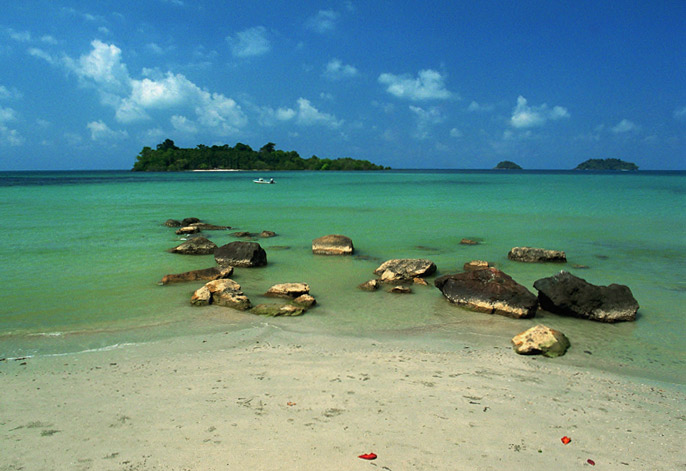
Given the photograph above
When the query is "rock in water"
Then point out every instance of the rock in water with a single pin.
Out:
(189, 221)
(288, 290)
(488, 290)
(195, 246)
(476, 265)
(208, 274)
(371, 285)
(333, 244)
(241, 254)
(225, 292)
(274, 310)
(404, 269)
(535, 255)
(570, 295)
(172, 223)
(541, 340)
(188, 230)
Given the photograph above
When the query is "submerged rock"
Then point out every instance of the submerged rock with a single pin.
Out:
(224, 292)
(208, 274)
(570, 295)
(469, 242)
(189, 221)
(274, 310)
(187, 230)
(172, 223)
(195, 246)
(404, 269)
(400, 289)
(488, 290)
(203, 226)
(476, 265)
(541, 340)
(536, 255)
(267, 234)
(333, 244)
(241, 254)
(288, 290)
(371, 285)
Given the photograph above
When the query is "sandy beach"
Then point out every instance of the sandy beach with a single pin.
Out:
(266, 399)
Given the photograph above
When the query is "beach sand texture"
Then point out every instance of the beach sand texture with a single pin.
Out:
(266, 399)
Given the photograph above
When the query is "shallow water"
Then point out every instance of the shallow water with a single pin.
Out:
(83, 252)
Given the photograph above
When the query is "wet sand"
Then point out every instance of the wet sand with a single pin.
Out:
(266, 399)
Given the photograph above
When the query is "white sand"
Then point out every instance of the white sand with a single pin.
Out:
(264, 399)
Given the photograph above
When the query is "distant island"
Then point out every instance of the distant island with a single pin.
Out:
(507, 165)
(606, 164)
(167, 157)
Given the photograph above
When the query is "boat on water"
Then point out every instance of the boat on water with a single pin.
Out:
(263, 181)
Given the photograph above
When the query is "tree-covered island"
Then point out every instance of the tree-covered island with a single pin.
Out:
(507, 165)
(167, 157)
(606, 164)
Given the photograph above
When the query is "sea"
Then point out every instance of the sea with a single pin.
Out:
(83, 252)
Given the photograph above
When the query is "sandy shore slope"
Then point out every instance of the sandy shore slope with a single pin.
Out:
(265, 399)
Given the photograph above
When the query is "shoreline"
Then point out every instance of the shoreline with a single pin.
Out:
(268, 398)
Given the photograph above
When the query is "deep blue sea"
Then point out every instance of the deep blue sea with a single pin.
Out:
(82, 253)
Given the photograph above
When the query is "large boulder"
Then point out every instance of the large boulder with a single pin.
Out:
(570, 295)
(404, 269)
(541, 340)
(488, 290)
(224, 292)
(333, 244)
(241, 254)
(536, 255)
(195, 246)
(207, 274)
(288, 290)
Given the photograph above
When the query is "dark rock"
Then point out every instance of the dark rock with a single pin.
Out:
(267, 234)
(241, 254)
(536, 255)
(189, 221)
(371, 285)
(195, 246)
(187, 230)
(404, 269)
(570, 295)
(488, 290)
(243, 234)
(333, 244)
(541, 340)
(207, 274)
(172, 223)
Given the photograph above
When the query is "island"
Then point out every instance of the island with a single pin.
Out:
(606, 164)
(167, 157)
(507, 165)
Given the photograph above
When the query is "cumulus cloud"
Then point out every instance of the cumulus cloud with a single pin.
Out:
(680, 113)
(336, 70)
(100, 131)
(183, 124)
(323, 22)
(426, 118)
(479, 107)
(525, 116)
(304, 114)
(429, 85)
(9, 137)
(9, 93)
(624, 126)
(249, 43)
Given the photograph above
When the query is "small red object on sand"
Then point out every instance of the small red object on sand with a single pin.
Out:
(368, 456)
(591, 462)
(566, 440)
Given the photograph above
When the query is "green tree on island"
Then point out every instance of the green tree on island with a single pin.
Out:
(167, 157)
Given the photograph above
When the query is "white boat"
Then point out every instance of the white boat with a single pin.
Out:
(262, 180)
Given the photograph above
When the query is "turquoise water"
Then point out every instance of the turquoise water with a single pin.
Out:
(82, 253)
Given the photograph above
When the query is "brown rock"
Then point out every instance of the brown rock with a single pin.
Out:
(195, 246)
(469, 242)
(274, 310)
(404, 269)
(203, 226)
(400, 289)
(371, 285)
(476, 265)
(334, 244)
(208, 274)
(224, 292)
(188, 230)
(420, 281)
(305, 300)
(172, 223)
(288, 290)
(541, 340)
(536, 255)
(267, 234)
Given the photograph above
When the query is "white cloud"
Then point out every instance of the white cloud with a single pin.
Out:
(9, 93)
(625, 126)
(323, 22)
(456, 133)
(48, 39)
(100, 131)
(680, 113)
(41, 54)
(9, 137)
(478, 107)
(103, 66)
(309, 115)
(183, 124)
(428, 85)
(525, 116)
(426, 119)
(336, 70)
(20, 36)
(249, 43)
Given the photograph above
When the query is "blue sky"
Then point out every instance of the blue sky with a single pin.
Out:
(411, 84)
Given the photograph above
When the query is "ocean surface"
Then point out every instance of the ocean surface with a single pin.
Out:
(82, 254)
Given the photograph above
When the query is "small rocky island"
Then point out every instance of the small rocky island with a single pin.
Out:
(606, 164)
(507, 165)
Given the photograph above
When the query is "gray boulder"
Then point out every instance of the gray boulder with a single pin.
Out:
(333, 244)
(570, 295)
(404, 269)
(488, 290)
(536, 255)
(241, 254)
(195, 246)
